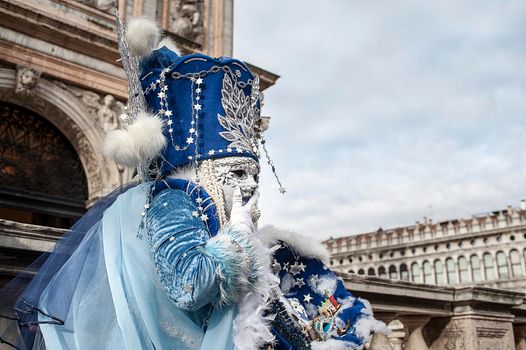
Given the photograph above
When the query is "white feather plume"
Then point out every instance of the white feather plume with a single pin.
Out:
(142, 141)
(142, 36)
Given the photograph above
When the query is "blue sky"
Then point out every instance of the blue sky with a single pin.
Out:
(387, 112)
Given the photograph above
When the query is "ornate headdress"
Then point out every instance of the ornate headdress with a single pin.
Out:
(182, 109)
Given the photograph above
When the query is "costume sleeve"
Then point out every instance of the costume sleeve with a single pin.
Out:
(193, 268)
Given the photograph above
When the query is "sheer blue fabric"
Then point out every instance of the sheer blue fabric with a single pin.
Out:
(107, 293)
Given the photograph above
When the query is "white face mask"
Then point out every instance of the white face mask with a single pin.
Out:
(232, 172)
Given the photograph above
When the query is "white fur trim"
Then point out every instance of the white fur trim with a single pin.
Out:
(142, 141)
(302, 245)
(142, 36)
(170, 44)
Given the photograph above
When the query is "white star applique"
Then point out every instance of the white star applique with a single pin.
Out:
(204, 217)
(190, 140)
(199, 81)
(168, 113)
(307, 298)
(211, 152)
(295, 269)
(285, 266)
(199, 200)
(299, 282)
(195, 214)
(161, 94)
(197, 107)
(314, 279)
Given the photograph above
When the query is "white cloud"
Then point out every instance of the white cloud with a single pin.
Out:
(385, 109)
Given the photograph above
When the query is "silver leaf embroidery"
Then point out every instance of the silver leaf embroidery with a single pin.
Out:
(241, 114)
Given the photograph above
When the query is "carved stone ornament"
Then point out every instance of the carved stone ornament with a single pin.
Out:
(186, 19)
(26, 80)
(103, 5)
(104, 110)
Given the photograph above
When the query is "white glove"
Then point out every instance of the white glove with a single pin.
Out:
(241, 215)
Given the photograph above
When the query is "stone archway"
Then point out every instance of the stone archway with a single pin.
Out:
(68, 111)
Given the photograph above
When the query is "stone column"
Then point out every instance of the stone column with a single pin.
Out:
(380, 341)
(519, 332)
(413, 325)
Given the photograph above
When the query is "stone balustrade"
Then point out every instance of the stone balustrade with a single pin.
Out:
(437, 317)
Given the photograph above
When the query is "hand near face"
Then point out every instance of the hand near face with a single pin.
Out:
(242, 215)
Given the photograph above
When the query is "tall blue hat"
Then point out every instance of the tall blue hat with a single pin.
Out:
(209, 106)
(182, 109)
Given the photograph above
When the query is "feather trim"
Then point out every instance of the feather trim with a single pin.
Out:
(302, 245)
(251, 326)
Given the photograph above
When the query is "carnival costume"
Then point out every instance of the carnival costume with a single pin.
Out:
(176, 261)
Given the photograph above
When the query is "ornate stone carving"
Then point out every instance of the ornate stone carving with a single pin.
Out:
(26, 80)
(186, 19)
(104, 111)
(107, 113)
(103, 5)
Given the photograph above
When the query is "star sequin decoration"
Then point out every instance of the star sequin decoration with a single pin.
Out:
(299, 282)
(168, 113)
(314, 279)
(198, 90)
(285, 266)
(297, 268)
(197, 107)
(190, 140)
(161, 94)
(199, 200)
(169, 122)
(204, 217)
(195, 214)
(199, 81)
(211, 152)
(307, 298)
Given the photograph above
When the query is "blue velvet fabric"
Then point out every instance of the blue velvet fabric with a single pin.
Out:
(181, 98)
(194, 268)
(196, 194)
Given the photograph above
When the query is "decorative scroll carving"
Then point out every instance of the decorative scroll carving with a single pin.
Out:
(186, 19)
(26, 80)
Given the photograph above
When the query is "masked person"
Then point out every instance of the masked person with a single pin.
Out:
(176, 261)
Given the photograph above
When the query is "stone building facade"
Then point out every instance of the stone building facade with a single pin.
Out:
(61, 88)
(487, 250)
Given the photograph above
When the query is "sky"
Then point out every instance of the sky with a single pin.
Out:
(387, 112)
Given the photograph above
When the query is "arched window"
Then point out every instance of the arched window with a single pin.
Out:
(415, 272)
(42, 180)
(361, 272)
(516, 266)
(502, 265)
(381, 272)
(463, 269)
(393, 274)
(488, 266)
(371, 272)
(475, 268)
(351, 271)
(439, 272)
(404, 274)
(428, 273)
(451, 272)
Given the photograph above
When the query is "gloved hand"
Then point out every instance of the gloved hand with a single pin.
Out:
(241, 215)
